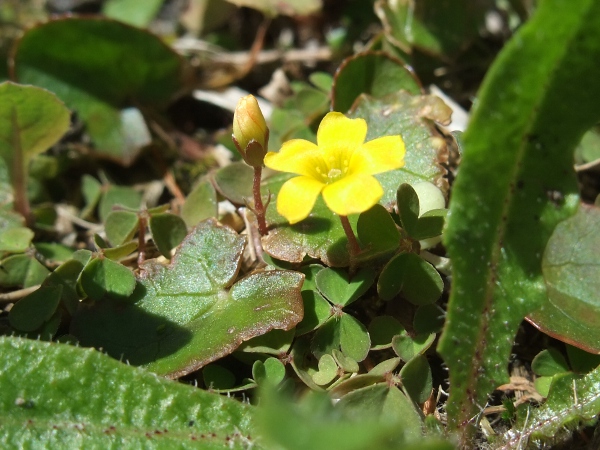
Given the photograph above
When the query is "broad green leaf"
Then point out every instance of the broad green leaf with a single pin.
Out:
(571, 269)
(572, 399)
(66, 276)
(581, 361)
(108, 67)
(33, 310)
(120, 251)
(54, 252)
(188, 314)
(321, 234)
(336, 286)
(103, 278)
(538, 99)
(168, 230)
(316, 311)
(109, 404)
(200, 204)
(133, 12)
(31, 121)
(121, 226)
(375, 73)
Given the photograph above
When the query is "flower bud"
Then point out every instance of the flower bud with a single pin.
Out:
(250, 132)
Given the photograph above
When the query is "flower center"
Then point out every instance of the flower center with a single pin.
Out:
(332, 168)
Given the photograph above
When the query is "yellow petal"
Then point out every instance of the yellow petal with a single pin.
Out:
(336, 131)
(296, 156)
(379, 155)
(297, 197)
(352, 194)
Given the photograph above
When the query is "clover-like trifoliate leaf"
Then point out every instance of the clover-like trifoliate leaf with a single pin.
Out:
(190, 313)
(61, 396)
(339, 289)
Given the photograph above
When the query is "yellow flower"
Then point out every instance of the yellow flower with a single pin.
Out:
(341, 166)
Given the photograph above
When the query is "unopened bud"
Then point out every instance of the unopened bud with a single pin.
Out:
(250, 131)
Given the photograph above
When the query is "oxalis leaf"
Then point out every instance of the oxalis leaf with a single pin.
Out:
(126, 66)
(109, 404)
(516, 183)
(572, 399)
(188, 314)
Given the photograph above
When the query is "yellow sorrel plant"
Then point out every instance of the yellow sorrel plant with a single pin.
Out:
(340, 166)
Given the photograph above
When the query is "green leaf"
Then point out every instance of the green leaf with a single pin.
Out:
(287, 7)
(168, 230)
(133, 12)
(31, 121)
(121, 251)
(354, 338)
(15, 240)
(582, 361)
(275, 342)
(54, 252)
(316, 311)
(418, 224)
(189, 314)
(121, 196)
(408, 273)
(321, 234)
(375, 73)
(108, 402)
(21, 271)
(217, 377)
(417, 379)
(92, 191)
(407, 346)
(382, 330)
(328, 370)
(549, 362)
(571, 269)
(429, 319)
(234, 182)
(505, 204)
(572, 399)
(271, 371)
(313, 423)
(30, 313)
(200, 204)
(335, 285)
(377, 233)
(103, 278)
(127, 65)
(121, 226)
(67, 276)
(443, 29)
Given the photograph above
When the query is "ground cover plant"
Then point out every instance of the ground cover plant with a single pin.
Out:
(300, 225)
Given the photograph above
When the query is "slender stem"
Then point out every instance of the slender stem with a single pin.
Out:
(142, 222)
(259, 207)
(354, 246)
